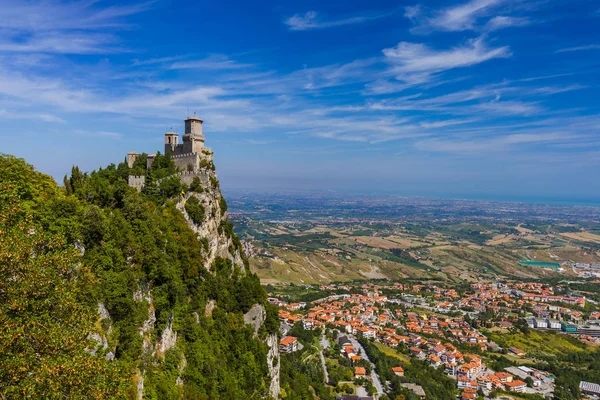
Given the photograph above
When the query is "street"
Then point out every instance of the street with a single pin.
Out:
(374, 376)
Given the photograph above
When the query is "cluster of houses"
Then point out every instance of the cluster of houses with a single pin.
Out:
(429, 336)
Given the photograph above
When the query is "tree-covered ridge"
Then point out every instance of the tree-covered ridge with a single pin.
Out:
(140, 242)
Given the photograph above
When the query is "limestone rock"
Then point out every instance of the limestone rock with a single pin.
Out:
(168, 338)
(210, 306)
(255, 317)
(274, 365)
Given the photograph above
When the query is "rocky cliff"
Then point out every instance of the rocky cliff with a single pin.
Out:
(217, 241)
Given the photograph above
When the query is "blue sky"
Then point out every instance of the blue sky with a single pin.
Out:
(484, 98)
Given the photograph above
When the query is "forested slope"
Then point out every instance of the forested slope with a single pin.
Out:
(111, 293)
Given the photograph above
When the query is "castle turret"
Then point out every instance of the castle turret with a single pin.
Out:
(171, 141)
(131, 157)
(193, 139)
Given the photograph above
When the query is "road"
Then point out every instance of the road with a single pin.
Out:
(324, 344)
(374, 376)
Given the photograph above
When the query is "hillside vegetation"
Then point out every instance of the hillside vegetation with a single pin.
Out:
(109, 293)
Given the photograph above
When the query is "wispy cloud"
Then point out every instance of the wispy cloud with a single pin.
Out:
(412, 12)
(579, 48)
(475, 15)
(501, 22)
(212, 62)
(57, 15)
(459, 17)
(5, 114)
(415, 62)
(63, 27)
(98, 134)
(63, 43)
(312, 20)
(463, 16)
(501, 143)
(510, 107)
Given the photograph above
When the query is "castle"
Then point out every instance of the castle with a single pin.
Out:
(190, 157)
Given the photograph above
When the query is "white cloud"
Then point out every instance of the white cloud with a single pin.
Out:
(412, 12)
(476, 15)
(501, 143)
(415, 62)
(5, 114)
(445, 123)
(510, 107)
(56, 15)
(98, 134)
(579, 48)
(63, 43)
(457, 18)
(311, 20)
(501, 22)
(63, 27)
(212, 62)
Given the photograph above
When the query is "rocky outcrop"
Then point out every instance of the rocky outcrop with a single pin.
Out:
(208, 310)
(139, 378)
(256, 317)
(168, 338)
(219, 244)
(143, 294)
(273, 364)
(101, 337)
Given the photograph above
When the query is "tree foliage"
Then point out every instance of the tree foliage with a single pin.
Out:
(44, 312)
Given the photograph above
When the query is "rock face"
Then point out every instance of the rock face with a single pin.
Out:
(143, 294)
(168, 338)
(273, 363)
(256, 317)
(219, 244)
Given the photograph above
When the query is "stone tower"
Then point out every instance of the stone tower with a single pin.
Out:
(193, 139)
(171, 141)
(131, 157)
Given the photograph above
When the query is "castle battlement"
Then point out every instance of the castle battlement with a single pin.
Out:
(191, 173)
(174, 156)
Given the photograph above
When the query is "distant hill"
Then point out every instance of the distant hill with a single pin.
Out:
(308, 250)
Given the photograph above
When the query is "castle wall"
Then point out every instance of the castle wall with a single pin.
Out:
(183, 160)
(187, 177)
(137, 181)
(175, 149)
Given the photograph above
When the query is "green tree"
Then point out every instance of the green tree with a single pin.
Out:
(195, 209)
(45, 316)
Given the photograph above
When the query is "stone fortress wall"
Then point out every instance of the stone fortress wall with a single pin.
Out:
(137, 181)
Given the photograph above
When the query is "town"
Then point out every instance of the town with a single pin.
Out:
(489, 338)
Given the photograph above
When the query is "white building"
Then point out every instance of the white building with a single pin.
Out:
(553, 324)
(540, 323)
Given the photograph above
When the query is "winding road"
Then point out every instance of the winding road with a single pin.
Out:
(374, 376)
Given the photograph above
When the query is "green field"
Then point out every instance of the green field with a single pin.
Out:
(543, 343)
(540, 264)
(393, 353)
